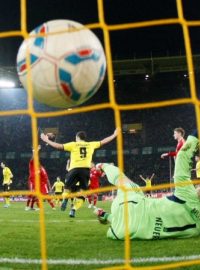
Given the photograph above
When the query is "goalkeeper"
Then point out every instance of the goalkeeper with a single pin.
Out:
(176, 216)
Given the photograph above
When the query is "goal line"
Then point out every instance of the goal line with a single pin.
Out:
(99, 262)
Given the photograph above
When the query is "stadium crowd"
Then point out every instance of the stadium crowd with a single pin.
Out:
(142, 149)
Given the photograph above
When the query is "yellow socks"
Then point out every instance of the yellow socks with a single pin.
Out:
(78, 203)
(65, 193)
(7, 200)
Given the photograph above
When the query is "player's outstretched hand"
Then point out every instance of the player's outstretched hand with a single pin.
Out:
(98, 166)
(163, 155)
(44, 137)
(102, 215)
(51, 135)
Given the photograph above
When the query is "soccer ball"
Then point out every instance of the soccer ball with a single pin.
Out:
(67, 63)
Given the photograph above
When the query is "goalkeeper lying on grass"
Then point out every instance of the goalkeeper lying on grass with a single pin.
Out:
(176, 216)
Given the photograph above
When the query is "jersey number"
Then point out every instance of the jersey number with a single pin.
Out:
(83, 152)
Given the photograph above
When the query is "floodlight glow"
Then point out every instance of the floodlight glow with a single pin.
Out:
(6, 84)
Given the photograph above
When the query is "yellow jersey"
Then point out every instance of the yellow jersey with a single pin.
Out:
(58, 185)
(198, 169)
(7, 175)
(148, 182)
(81, 153)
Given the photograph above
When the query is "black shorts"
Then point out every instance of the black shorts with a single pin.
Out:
(76, 175)
(6, 187)
(75, 188)
(58, 193)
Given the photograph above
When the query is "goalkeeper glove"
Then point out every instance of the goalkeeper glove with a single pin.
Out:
(102, 216)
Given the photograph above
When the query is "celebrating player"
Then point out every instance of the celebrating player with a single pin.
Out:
(81, 153)
(7, 181)
(173, 216)
(148, 182)
(95, 175)
(179, 134)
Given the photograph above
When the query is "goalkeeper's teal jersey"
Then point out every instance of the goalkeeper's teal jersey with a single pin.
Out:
(176, 216)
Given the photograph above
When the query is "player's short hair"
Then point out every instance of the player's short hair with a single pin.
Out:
(81, 135)
(180, 130)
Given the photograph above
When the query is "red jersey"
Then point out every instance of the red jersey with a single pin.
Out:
(95, 175)
(43, 178)
(31, 178)
(178, 148)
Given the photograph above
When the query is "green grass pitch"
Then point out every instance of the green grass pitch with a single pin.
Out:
(81, 242)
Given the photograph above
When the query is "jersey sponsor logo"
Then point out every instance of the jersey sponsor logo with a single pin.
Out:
(157, 228)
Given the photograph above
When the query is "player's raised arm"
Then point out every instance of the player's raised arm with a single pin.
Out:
(164, 155)
(142, 178)
(111, 137)
(151, 178)
(45, 139)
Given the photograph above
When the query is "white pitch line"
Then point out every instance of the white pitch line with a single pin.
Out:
(98, 262)
(49, 221)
